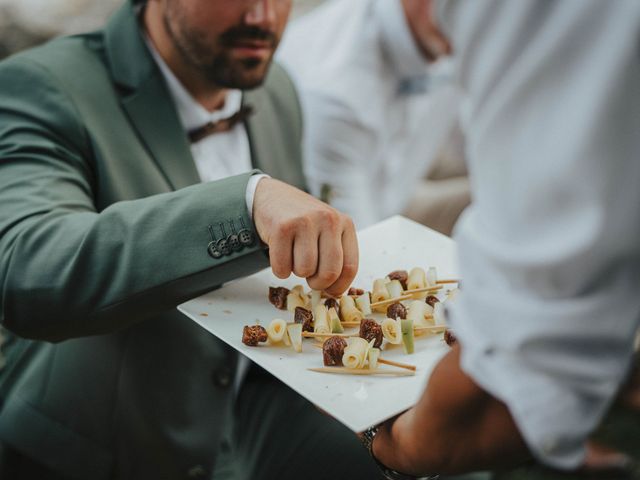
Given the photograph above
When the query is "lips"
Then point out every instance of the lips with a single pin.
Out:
(259, 50)
(250, 42)
(256, 45)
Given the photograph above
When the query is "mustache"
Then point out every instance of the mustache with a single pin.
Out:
(239, 34)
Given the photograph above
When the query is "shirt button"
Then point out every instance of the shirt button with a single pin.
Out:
(222, 377)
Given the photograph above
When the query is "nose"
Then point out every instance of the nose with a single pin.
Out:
(261, 14)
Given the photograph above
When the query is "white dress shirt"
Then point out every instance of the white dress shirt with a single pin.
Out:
(375, 112)
(216, 156)
(219, 155)
(550, 248)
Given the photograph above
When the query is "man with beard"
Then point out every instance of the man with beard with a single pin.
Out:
(109, 218)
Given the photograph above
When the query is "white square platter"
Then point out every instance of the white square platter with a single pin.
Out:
(356, 401)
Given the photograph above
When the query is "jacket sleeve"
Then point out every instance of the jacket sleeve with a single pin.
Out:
(67, 270)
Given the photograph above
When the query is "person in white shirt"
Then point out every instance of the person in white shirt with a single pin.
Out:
(549, 250)
(378, 102)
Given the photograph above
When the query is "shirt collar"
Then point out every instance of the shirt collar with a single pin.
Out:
(192, 114)
(397, 40)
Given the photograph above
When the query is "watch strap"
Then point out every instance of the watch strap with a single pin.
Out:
(367, 440)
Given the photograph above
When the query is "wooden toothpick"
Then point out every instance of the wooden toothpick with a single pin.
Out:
(363, 371)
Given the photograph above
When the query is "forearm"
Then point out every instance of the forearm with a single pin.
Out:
(69, 264)
(66, 274)
(455, 427)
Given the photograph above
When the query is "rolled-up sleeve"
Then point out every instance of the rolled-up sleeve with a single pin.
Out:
(550, 249)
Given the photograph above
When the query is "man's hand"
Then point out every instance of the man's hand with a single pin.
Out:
(305, 237)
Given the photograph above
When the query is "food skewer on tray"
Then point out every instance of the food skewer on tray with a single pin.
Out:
(359, 371)
(431, 328)
(325, 318)
(327, 335)
(389, 301)
(384, 361)
(423, 290)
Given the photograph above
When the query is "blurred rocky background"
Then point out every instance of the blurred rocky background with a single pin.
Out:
(24, 23)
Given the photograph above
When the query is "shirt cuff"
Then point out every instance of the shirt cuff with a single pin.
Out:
(251, 190)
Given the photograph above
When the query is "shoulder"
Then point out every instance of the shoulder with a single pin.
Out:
(60, 55)
(35, 86)
(60, 65)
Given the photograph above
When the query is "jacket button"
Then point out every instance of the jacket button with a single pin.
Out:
(222, 377)
(234, 242)
(246, 237)
(223, 247)
(213, 251)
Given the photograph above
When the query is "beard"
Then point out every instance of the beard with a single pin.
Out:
(215, 62)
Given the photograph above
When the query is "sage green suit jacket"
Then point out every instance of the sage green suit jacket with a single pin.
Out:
(103, 231)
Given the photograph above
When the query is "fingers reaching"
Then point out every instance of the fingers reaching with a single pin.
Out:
(330, 260)
(281, 252)
(305, 236)
(350, 259)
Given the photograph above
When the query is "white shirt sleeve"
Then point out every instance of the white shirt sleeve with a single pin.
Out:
(337, 148)
(250, 192)
(550, 249)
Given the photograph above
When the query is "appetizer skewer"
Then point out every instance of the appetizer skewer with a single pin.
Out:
(327, 335)
(384, 361)
(316, 315)
(393, 363)
(363, 371)
(389, 301)
(424, 290)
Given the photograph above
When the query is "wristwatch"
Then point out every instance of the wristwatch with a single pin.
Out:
(367, 440)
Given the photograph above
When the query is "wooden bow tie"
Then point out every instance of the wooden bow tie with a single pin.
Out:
(223, 125)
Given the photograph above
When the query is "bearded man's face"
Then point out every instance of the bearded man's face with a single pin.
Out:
(231, 42)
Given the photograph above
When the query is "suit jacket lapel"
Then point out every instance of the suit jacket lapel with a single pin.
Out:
(147, 100)
(157, 123)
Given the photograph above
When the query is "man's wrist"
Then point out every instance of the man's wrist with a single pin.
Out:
(367, 440)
